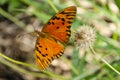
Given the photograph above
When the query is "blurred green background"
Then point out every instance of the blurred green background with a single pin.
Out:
(17, 18)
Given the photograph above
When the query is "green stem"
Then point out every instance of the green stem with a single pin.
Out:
(19, 69)
(104, 61)
(17, 62)
(51, 75)
(51, 4)
(77, 2)
(10, 17)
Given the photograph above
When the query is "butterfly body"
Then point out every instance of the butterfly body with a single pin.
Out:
(55, 33)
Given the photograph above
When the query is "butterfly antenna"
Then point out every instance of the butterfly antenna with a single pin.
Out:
(35, 30)
(34, 27)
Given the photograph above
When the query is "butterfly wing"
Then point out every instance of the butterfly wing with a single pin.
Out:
(46, 50)
(54, 33)
(59, 25)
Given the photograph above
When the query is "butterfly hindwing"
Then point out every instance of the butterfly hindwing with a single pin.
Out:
(46, 50)
(59, 25)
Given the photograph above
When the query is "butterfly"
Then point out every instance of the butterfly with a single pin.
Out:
(50, 41)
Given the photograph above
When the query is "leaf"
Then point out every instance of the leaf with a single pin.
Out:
(82, 64)
(75, 59)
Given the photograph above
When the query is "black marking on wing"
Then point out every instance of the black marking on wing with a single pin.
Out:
(38, 50)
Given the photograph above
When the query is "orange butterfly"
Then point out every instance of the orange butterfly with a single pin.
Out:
(55, 33)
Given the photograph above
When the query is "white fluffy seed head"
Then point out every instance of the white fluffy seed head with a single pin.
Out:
(84, 37)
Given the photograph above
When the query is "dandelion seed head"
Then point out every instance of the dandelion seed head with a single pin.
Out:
(84, 37)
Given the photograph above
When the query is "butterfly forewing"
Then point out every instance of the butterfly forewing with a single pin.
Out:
(59, 25)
